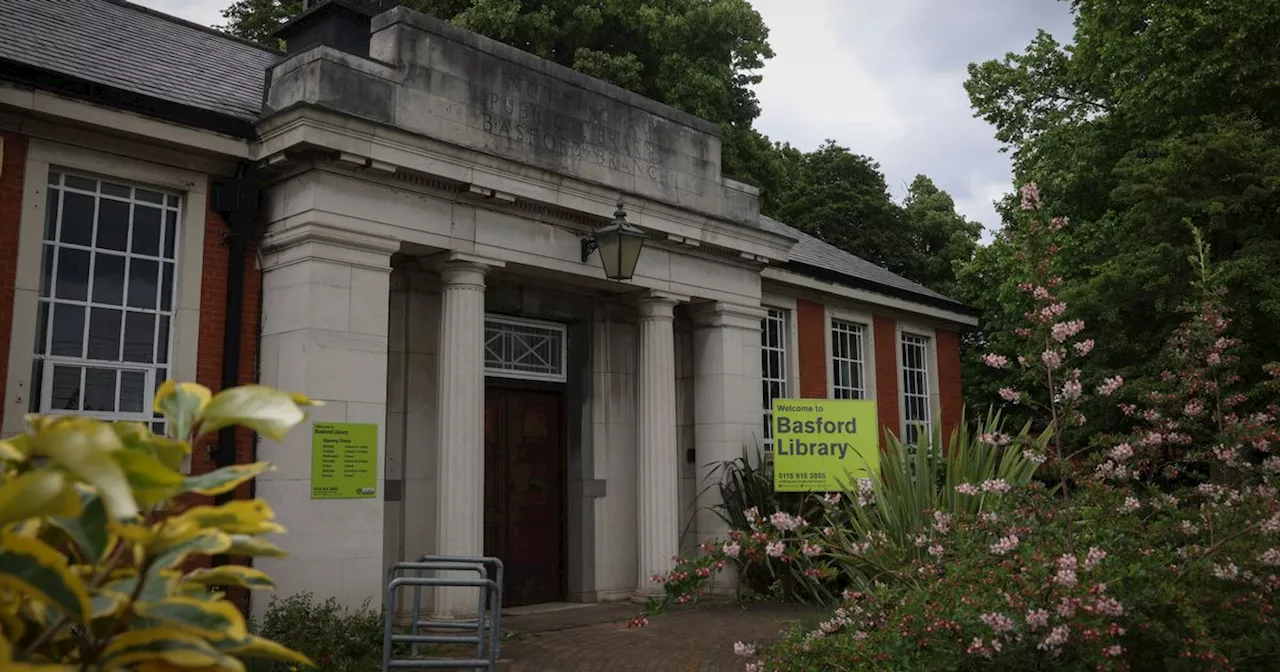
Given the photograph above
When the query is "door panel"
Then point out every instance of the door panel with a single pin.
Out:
(524, 486)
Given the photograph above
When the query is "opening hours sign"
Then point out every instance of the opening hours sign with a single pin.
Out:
(823, 445)
(344, 460)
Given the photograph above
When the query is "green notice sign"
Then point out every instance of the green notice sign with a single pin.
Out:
(344, 460)
(819, 445)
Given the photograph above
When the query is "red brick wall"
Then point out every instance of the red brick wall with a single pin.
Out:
(949, 383)
(213, 301)
(11, 178)
(811, 328)
(886, 340)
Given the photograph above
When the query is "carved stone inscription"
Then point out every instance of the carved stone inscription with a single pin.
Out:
(566, 126)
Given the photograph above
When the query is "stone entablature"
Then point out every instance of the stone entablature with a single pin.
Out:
(432, 80)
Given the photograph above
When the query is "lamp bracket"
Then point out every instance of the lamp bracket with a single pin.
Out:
(589, 245)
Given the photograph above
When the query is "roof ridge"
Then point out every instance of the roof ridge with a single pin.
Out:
(192, 24)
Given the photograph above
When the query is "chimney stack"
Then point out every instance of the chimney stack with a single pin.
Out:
(341, 24)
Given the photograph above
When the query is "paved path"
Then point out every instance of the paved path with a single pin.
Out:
(695, 640)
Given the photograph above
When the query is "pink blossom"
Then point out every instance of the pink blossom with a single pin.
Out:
(1108, 606)
(1110, 385)
(996, 485)
(1193, 408)
(1093, 557)
(941, 521)
(1030, 197)
(1130, 505)
(754, 667)
(994, 439)
(1084, 347)
(732, 549)
(831, 499)
(811, 550)
(1052, 359)
(743, 649)
(995, 361)
(1057, 637)
(967, 489)
(1010, 394)
(1066, 607)
(784, 521)
(1121, 452)
(1058, 223)
(1037, 618)
(997, 622)
(1271, 525)
(1271, 557)
(1064, 330)
(1005, 545)
(1214, 359)
(1033, 456)
(775, 549)
(1072, 389)
(936, 550)
(1040, 293)
(1113, 651)
(1226, 572)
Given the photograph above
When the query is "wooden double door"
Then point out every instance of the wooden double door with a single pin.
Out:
(524, 484)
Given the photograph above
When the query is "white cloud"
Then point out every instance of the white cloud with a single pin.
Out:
(882, 78)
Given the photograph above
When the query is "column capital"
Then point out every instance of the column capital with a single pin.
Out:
(313, 240)
(716, 314)
(656, 307)
(463, 269)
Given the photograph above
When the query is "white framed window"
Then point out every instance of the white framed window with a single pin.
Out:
(104, 329)
(848, 359)
(916, 395)
(774, 359)
(524, 349)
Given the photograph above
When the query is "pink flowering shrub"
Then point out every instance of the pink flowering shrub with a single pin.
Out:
(1048, 583)
(1159, 552)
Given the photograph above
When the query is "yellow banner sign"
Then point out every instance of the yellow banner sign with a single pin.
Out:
(821, 445)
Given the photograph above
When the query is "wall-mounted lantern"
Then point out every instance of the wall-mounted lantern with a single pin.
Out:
(619, 244)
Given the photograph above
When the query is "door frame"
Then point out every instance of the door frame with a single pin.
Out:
(560, 390)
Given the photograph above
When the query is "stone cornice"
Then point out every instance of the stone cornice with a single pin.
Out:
(306, 133)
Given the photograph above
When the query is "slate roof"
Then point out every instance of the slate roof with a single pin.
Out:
(136, 50)
(814, 253)
(128, 56)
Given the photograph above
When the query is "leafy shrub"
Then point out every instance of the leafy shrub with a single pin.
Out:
(95, 536)
(336, 638)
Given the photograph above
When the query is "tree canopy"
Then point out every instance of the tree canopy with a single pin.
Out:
(1157, 117)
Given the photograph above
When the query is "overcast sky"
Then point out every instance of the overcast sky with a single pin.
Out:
(883, 78)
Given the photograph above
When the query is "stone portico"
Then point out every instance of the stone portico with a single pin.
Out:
(446, 181)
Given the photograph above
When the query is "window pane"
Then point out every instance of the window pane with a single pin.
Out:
(146, 230)
(104, 334)
(81, 183)
(172, 201)
(139, 337)
(166, 288)
(37, 384)
(133, 389)
(113, 225)
(46, 271)
(142, 282)
(77, 218)
(51, 214)
(170, 231)
(65, 395)
(100, 390)
(162, 341)
(42, 331)
(119, 190)
(68, 331)
(55, 178)
(148, 196)
(108, 279)
(73, 274)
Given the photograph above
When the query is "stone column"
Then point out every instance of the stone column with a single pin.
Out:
(656, 469)
(460, 433)
(726, 408)
(324, 333)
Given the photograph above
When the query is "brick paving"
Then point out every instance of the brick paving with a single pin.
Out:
(694, 640)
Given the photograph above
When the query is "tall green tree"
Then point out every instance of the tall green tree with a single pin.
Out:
(941, 239)
(1159, 115)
